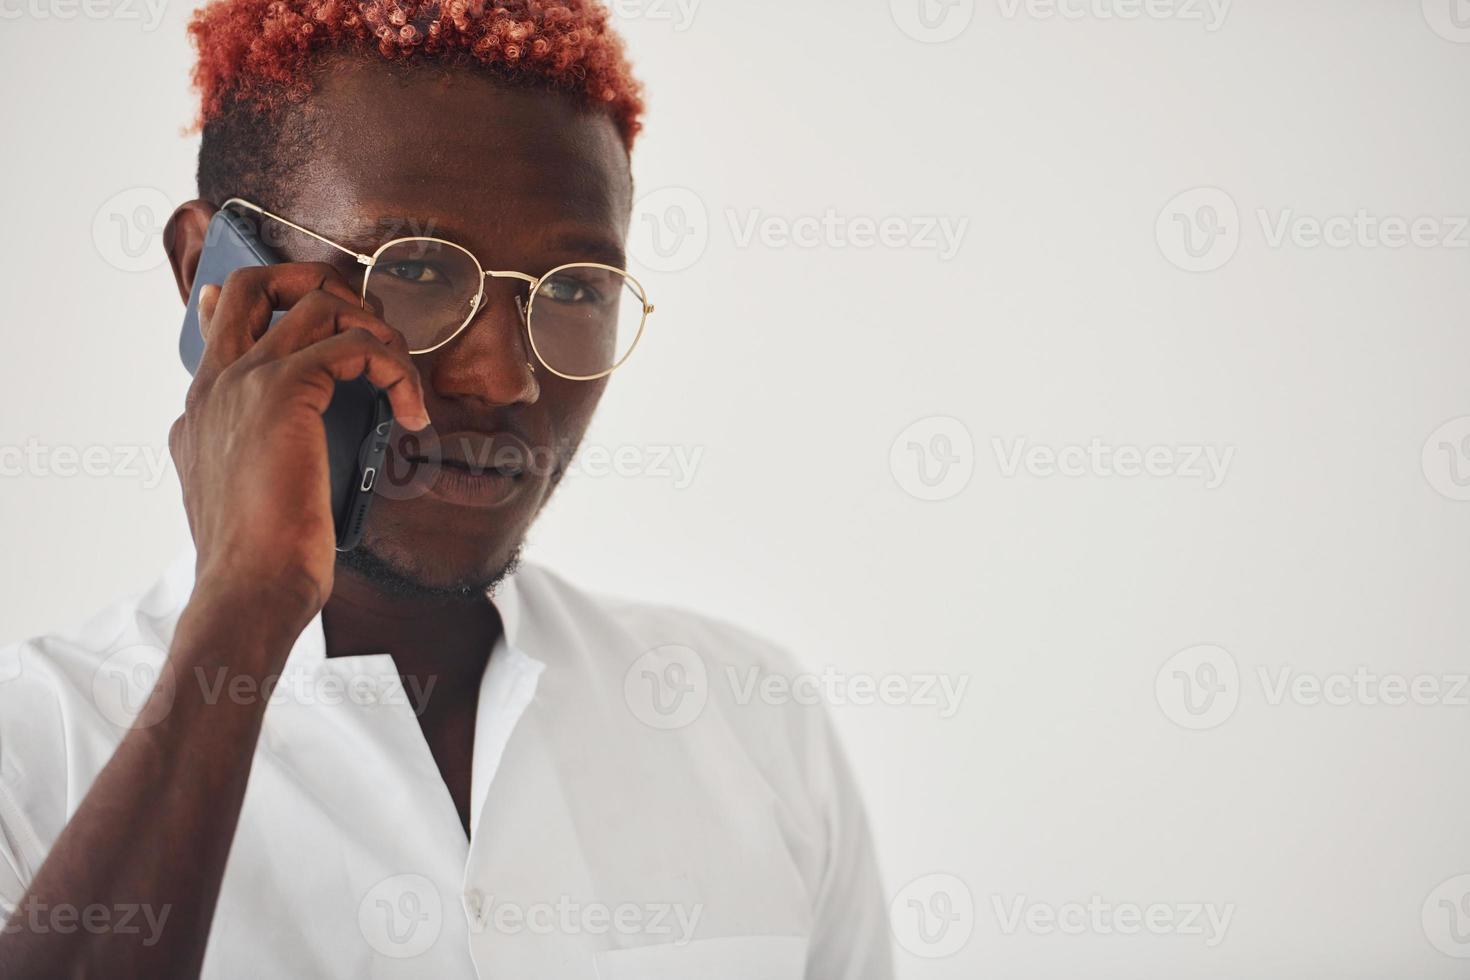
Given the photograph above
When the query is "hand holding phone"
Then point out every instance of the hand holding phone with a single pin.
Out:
(358, 418)
(252, 445)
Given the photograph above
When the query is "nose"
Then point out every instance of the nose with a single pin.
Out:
(490, 361)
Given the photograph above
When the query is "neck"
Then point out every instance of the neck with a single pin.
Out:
(447, 640)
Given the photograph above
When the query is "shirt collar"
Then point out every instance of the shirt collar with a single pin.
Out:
(310, 648)
(506, 597)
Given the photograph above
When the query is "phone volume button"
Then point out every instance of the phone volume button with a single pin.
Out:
(368, 476)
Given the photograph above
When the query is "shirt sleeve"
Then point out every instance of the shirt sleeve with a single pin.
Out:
(19, 851)
(33, 768)
(850, 935)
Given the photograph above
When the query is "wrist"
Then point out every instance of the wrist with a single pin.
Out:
(255, 621)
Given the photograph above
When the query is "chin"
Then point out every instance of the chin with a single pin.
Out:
(439, 548)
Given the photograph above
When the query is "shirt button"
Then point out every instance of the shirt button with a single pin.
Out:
(474, 902)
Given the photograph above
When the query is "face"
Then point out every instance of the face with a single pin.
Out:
(526, 181)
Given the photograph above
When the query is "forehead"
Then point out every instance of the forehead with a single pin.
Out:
(457, 154)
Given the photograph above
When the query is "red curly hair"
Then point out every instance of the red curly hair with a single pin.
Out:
(260, 52)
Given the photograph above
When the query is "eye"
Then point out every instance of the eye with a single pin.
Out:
(563, 288)
(410, 271)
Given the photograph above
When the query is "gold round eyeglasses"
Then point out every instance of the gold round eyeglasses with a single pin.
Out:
(582, 319)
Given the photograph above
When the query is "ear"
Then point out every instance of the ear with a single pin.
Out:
(183, 240)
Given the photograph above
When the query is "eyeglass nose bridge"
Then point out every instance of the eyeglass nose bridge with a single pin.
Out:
(475, 304)
(499, 274)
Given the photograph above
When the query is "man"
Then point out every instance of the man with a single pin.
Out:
(413, 760)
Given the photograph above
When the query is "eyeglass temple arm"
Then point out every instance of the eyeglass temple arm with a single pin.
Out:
(362, 259)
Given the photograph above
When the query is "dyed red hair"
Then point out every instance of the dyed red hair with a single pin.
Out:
(261, 51)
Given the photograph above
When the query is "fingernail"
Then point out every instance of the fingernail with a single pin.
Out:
(208, 294)
(415, 423)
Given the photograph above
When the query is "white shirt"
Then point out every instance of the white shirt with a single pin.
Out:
(638, 809)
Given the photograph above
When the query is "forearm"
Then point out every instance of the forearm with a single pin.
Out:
(153, 833)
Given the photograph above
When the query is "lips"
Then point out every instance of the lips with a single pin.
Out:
(484, 453)
(467, 468)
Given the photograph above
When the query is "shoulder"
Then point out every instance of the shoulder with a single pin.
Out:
(67, 698)
(694, 673)
(650, 623)
(65, 664)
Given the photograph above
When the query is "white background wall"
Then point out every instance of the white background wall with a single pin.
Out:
(1060, 142)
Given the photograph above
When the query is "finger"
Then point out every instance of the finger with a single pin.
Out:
(356, 354)
(250, 296)
(176, 442)
(319, 315)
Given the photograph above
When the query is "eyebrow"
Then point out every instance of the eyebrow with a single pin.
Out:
(570, 246)
(590, 248)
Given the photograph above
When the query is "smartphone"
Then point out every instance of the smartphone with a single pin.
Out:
(357, 421)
